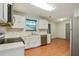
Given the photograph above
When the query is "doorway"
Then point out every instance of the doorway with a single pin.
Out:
(68, 31)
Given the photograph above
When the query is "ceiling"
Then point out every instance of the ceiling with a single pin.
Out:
(62, 10)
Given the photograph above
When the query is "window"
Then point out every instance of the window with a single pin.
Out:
(31, 25)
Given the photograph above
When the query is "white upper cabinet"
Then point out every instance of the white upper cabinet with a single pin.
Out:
(42, 24)
(19, 21)
(6, 12)
(1, 11)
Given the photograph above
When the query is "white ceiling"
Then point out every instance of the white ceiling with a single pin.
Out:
(62, 10)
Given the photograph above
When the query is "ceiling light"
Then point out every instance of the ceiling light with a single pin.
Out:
(44, 6)
(62, 19)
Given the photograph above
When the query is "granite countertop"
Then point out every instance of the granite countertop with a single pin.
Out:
(11, 43)
(11, 46)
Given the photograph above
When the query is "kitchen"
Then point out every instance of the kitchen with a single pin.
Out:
(23, 27)
(16, 29)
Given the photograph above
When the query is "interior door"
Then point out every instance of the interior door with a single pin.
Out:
(49, 28)
(68, 31)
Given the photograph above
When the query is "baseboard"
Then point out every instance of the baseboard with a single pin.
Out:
(59, 38)
(31, 48)
(38, 46)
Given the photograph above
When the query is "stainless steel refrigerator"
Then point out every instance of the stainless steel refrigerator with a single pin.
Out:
(75, 37)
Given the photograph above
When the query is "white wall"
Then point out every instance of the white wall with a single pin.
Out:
(58, 29)
(53, 29)
(76, 12)
(61, 29)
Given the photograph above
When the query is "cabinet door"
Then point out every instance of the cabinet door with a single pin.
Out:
(43, 24)
(48, 38)
(35, 41)
(19, 21)
(27, 42)
(32, 42)
(5, 12)
(1, 10)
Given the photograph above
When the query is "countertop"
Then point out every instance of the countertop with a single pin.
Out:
(11, 46)
(14, 45)
(11, 43)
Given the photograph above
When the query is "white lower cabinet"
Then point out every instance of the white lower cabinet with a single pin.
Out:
(12, 49)
(42, 24)
(32, 41)
(48, 38)
(27, 42)
(35, 41)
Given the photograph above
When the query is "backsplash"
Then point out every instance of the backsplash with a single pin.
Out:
(20, 32)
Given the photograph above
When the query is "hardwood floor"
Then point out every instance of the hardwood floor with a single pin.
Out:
(58, 47)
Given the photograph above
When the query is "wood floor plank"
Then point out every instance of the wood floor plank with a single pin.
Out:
(58, 47)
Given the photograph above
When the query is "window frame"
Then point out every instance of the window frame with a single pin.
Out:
(31, 25)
